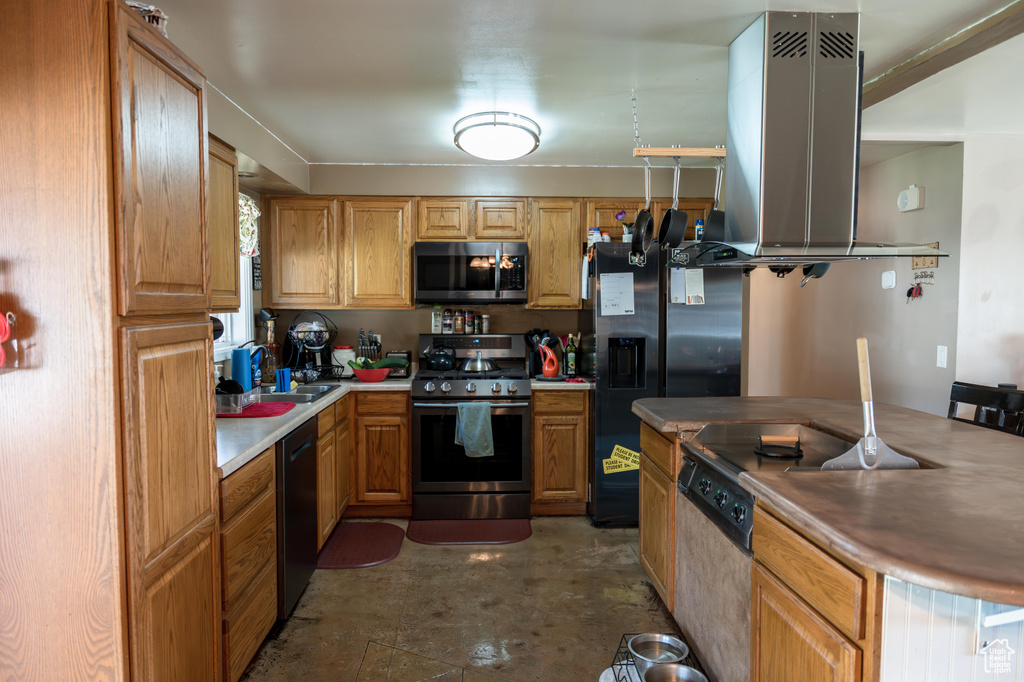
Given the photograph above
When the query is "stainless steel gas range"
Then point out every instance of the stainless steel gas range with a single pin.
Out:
(446, 483)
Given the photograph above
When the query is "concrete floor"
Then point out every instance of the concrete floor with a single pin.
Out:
(550, 608)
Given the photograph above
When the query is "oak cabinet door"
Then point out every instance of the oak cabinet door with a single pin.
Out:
(343, 448)
(500, 219)
(601, 213)
(657, 529)
(160, 162)
(442, 219)
(378, 246)
(790, 641)
(302, 247)
(170, 496)
(556, 254)
(559, 438)
(382, 459)
(222, 218)
(326, 488)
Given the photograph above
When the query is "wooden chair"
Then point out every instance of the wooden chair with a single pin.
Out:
(995, 408)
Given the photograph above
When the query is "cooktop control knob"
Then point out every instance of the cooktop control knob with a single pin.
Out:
(429, 387)
(512, 387)
(720, 497)
(705, 486)
(446, 388)
(739, 513)
(470, 387)
(495, 387)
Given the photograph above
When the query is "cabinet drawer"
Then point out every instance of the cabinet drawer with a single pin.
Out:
(659, 450)
(382, 403)
(247, 544)
(246, 484)
(248, 623)
(325, 421)
(560, 402)
(832, 589)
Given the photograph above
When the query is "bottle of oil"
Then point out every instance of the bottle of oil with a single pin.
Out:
(570, 358)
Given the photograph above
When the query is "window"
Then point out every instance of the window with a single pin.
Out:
(239, 327)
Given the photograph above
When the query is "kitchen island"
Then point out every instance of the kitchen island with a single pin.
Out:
(942, 542)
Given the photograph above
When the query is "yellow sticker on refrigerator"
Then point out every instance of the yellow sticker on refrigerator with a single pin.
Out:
(626, 455)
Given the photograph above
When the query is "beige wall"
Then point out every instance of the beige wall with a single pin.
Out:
(492, 180)
(991, 333)
(802, 341)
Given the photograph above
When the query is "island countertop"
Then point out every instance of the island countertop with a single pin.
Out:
(955, 527)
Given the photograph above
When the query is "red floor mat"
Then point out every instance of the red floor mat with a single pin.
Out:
(358, 544)
(469, 532)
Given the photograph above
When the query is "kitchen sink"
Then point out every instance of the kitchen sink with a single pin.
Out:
(302, 394)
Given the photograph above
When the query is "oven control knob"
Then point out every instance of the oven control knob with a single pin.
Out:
(512, 387)
(446, 388)
(470, 387)
(495, 387)
(720, 498)
(705, 486)
(739, 513)
(429, 387)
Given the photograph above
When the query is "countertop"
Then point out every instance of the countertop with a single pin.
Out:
(240, 440)
(955, 528)
(538, 385)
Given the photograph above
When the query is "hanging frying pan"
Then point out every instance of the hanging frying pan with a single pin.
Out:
(643, 227)
(714, 231)
(673, 223)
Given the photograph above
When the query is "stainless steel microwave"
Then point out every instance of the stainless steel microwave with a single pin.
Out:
(474, 272)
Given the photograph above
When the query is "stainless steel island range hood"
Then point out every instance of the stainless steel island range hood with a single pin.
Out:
(793, 143)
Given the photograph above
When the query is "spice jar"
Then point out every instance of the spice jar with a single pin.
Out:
(447, 322)
(460, 322)
(468, 328)
(485, 324)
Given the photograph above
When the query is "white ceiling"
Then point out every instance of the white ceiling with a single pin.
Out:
(382, 82)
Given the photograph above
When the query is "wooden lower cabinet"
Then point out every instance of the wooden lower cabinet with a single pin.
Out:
(813, 616)
(560, 450)
(326, 487)
(382, 465)
(790, 641)
(171, 522)
(343, 450)
(659, 466)
(248, 542)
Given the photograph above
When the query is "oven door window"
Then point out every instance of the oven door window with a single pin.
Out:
(441, 460)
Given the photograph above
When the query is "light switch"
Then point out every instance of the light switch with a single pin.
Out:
(940, 357)
(889, 279)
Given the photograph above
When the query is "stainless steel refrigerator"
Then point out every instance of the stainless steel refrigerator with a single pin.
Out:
(637, 344)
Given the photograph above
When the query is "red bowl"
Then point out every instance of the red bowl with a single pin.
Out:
(370, 376)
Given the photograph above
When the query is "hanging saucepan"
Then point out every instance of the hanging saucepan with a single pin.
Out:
(673, 223)
(714, 231)
(643, 227)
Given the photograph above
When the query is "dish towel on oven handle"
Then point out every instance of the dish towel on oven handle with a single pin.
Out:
(473, 429)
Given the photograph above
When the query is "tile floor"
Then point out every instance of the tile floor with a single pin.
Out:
(550, 608)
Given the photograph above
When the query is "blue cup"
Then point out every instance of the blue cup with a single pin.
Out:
(241, 367)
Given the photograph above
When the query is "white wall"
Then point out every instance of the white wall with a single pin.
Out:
(803, 341)
(991, 331)
(933, 636)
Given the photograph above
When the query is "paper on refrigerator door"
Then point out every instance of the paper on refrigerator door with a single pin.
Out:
(585, 288)
(617, 293)
(693, 282)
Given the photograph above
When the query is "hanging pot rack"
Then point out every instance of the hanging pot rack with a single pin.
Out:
(679, 152)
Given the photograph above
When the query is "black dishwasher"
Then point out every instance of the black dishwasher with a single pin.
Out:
(296, 515)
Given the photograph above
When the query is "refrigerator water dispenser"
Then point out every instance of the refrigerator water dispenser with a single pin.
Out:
(626, 366)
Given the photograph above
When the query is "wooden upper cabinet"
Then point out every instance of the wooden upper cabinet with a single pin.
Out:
(500, 219)
(158, 109)
(222, 218)
(378, 249)
(695, 208)
(601, 213)
(442, 219)
(170, 498)
(556, 254)
(302, 246)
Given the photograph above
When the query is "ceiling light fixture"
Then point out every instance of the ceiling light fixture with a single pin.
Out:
(497, 135)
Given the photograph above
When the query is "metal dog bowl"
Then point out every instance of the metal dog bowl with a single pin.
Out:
(674, 672)
(655, 650)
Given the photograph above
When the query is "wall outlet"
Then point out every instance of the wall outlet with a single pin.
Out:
(940, 357)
